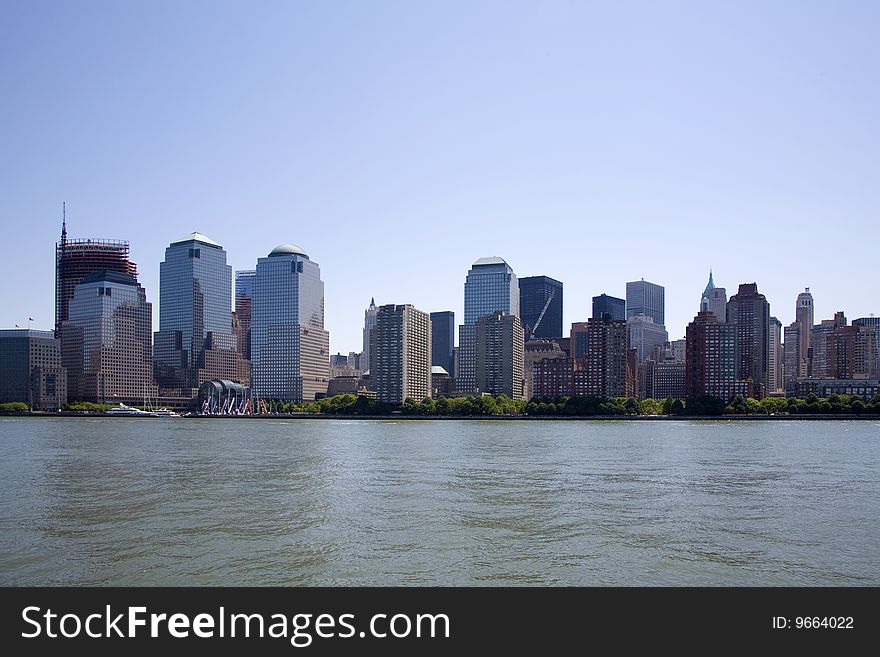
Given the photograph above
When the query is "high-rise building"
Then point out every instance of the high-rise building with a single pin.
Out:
(540, 307)
(400, 353)
(714, 299)
(30, 369)
(608, 307)
(77, 257)
(500, 348)
(490, 287)
(749, 313)
(244, 298)
(875, 322)
(791, 353)
(644, 298)
(710, 363)
(551, 377)
(670, 380)
(645, 336)
(369, 324)
(775, 359)
(442, 339)
(536, 351)
(820, 365)
(602, 370)
(195, 317)
(851, 353)
(289, 345)
(804, 320)
(106, 342)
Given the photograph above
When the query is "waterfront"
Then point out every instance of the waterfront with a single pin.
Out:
(304, 502)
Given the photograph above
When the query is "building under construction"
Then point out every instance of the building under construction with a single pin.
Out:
(76, 258)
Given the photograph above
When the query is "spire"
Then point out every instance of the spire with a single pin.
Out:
(372, 302)
(63, 222)
(710, 285)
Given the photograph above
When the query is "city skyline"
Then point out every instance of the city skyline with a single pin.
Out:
(396, 144)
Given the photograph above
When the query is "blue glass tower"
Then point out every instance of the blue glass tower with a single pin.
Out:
(490, 287)
(195, 300)
(289, 346)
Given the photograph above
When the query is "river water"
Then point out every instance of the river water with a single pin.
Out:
(115, 501)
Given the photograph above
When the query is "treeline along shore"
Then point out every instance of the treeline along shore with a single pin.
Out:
(562, 408)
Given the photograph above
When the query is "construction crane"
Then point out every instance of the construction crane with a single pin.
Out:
(541, 316)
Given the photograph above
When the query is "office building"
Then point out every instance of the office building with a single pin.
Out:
(400, 354)
(75, 258)
(490, 287)
(645, 336)
(714, 300)
(442, 339)
(195, 341)
(749, 313)
(644, 298)
(369, 324)
(30, 369)
(106, 344)
(289, 345)
(500, 348)
(540, 307)
(608, 307)
(804, 321)
(244, 298)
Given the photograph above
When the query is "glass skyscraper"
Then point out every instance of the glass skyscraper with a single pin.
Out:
(195, 300)
(442, 339)
(289, 346)
(244, 297)
(105, 341)
(644, 298)
(490, 287)
(535, 294)
(608, 307)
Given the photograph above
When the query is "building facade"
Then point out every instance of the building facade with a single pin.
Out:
(244, 299)
(821, 366)
(749, 313)
(776, 358)
(608, 307)
(443, 339)
(31, 370)
(710, 362)
(369, 324)
(400, 353)
(645, 336)
(289, 344)
(644, 298)
(540, 306)
(602, 370)
(75, 258)
(195, 317)
(490, 287)
(804, 321)
(714, 299)
(500, 355)
(106, 344)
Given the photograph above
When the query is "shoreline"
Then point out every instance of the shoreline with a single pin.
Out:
(526, 418)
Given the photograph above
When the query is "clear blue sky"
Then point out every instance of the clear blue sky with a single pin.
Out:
(397, 142)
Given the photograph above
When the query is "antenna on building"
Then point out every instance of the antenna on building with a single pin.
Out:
(63, 222)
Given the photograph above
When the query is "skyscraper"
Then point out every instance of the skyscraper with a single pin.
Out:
(540, 306)
(76, 258)
(749, 313)
(644, 298)
(500, 344)
(106, 342)
(490, 287)
(244, 297)
(602, 370)
(644, 335)
(607, 307)
(804, 321)
(290, 348)
(775, 358)
(875, 322)
(369, 325)
(714, 300)
(195, 315)
(710, 362)
(821, 366)
(30, 369)
(442, 339)
(400, 353)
